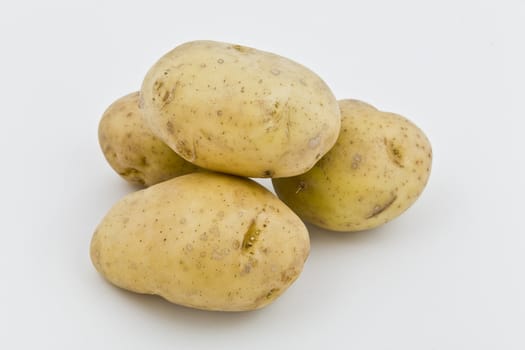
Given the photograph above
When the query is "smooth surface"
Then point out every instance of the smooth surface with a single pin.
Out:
(448, 274)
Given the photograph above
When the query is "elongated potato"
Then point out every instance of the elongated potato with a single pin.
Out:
(238, 110)
(203, 240)
(132, 150)
(377, 169)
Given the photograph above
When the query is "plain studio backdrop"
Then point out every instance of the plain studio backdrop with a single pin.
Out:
(448, 274)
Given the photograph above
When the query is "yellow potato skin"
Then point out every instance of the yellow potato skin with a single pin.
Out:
(377, 169)
(239, 110)
(132, 150)
(204, 240)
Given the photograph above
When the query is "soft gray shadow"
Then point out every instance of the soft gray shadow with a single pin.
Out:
(322, 237)
(123, 186)
(186, 317)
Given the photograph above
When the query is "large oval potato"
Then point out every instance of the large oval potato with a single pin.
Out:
(132, 150)
(203, 240)
(238, 110)
(377, 169)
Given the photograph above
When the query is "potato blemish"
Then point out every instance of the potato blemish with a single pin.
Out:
(169, 127)
(241, 48)
(268, 173)
(271, 293)
(301, 187)
(250, 237)
(314, 141)
(133, 175)
(185, 151)
(356, 161)
(378, 209)
(394, 153)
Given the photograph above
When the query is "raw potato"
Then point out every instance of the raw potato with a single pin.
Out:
(203, 240)
(238, 110)
(377, 169)
(132, 150)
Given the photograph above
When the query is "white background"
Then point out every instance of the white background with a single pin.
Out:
(448, 274)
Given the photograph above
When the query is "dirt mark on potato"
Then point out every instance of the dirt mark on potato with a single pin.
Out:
(378, 209)
(251, 236)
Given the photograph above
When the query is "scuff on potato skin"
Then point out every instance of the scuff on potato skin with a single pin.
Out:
(203, 240)
(378, 167)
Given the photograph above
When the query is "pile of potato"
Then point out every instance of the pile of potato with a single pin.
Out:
(210, 115)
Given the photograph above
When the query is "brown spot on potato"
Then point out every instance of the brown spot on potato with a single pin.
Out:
(378, 209)
(157, 85)
(268, 173)
(185, 151)
(250, 237)
(394, 153)
(220, 61)
(165, 96)
(133, 175)
(301, 187)
(183, 266)
(288, 275)
(241, 48)
(271, 293)
(169, 127)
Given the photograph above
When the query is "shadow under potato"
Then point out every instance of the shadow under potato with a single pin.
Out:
(322, 237)
(157, 307)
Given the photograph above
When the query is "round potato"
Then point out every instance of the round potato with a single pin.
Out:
(377, 169)
(241, 111)
(132, 150)
(203, 240)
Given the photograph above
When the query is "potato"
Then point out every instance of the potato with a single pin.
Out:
(377, 169)
(204, 240)
(132, 150)
(241, 111)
